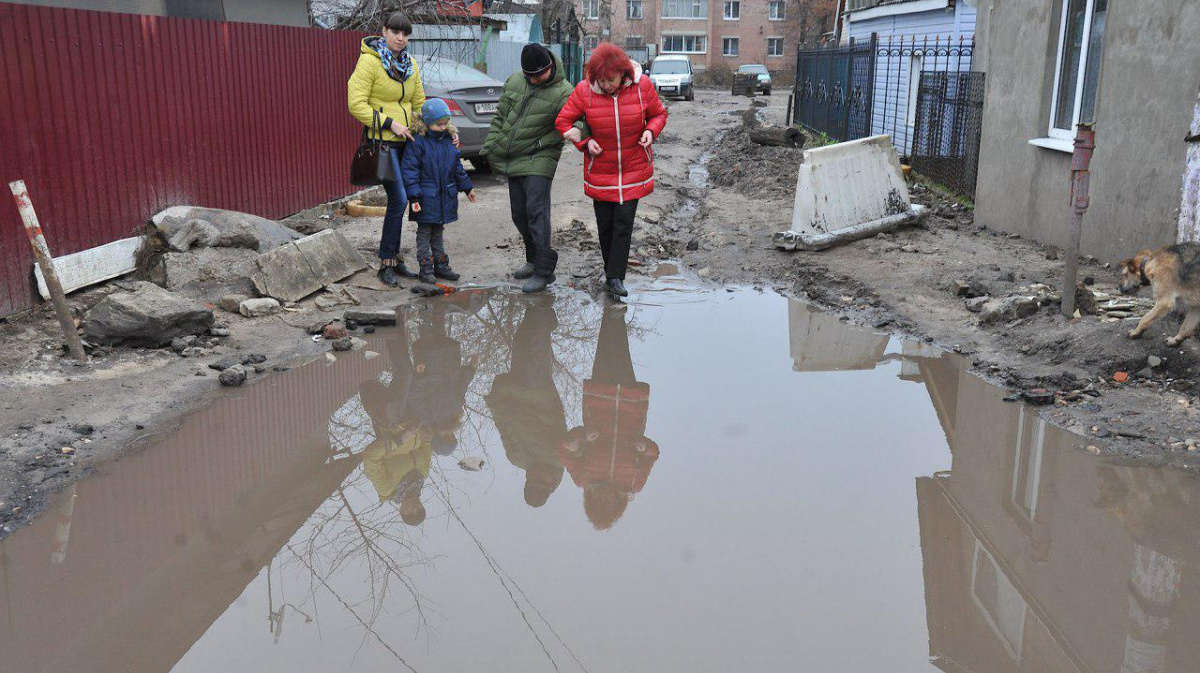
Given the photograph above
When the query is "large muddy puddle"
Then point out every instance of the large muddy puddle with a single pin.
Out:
(695, 482)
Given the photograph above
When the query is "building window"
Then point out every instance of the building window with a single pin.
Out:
(684, 44)
(685, 9)
(774, 46)
(590, 42)
(591, 9)
(775, 10)
(635, 42)
(729, 46)
(633, 9)
(733, 10)
(1077, 77)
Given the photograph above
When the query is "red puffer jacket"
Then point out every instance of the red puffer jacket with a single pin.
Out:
(624, 170)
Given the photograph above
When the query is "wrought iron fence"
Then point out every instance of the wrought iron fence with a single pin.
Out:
(949, 120)
(832, 93)
(900, 62)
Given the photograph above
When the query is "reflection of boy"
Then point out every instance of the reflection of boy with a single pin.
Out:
(440, 382)
(526, 407)
(609, 457)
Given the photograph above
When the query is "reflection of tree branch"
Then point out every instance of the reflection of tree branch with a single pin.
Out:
(351, 610)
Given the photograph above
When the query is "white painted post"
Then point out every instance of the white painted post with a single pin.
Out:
(1189, 208)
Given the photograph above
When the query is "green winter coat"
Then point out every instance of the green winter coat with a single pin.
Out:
(522, 140)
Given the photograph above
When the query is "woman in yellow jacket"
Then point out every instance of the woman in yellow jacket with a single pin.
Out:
(387, 80)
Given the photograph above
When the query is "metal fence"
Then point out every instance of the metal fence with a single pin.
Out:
(949, 120)
(832, 93)
(900, 62)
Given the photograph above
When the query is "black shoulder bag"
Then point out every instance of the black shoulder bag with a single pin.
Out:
(372, 164)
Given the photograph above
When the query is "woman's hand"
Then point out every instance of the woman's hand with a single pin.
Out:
(593, 147)
(416, 206)
(573, 135)
(471, 197)
(401, 130)
(647, 138)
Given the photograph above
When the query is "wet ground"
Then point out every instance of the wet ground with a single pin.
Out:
(696, 481)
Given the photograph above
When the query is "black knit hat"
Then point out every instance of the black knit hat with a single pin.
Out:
(535, 58)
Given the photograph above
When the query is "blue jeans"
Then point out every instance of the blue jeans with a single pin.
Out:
(389, 242)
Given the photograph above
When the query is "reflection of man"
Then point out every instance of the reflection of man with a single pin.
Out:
(525, 404)
(610, 457)
(397, 462)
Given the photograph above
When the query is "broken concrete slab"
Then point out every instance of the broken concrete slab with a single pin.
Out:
(237, 230)
(222, 267)
(183, 235)
(1008, 308)
(378, 316)
(257, 308)
(232, 302)
(296, 270)
(94, 265)
(846, 192)
(148, 316)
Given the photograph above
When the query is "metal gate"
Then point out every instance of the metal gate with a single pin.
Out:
(833, 90)
(949, 121)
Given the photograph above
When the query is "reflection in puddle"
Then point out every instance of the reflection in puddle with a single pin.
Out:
(714, 486)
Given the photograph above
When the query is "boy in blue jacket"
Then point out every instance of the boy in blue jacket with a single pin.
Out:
(433, 176)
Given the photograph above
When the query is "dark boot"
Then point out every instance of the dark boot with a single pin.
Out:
(537, 283)
(387, 276)
(524, 272)
(403, 271)
(441, 268)
(616, 287)
(427, 276)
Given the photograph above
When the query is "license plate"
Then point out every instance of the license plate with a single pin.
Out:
(666, 88)
(486, 108)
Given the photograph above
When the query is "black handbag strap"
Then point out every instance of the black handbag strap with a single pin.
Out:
(375, 137)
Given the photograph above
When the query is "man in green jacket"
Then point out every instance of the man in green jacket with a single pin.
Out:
(523, 145)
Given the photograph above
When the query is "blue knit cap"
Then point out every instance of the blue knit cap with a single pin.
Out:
(433, 110)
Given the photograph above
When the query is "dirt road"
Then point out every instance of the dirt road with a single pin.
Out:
(718, 200)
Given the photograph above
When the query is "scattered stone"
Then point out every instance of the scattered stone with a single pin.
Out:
(233, 376)
(254, 359)
(471, 463)
(909, 248)
(1085, 300)
(1007, 277)
(318, 327)
(333, 331)
(1089, 280)
(693, 245)
(148, 317)
(259, 368)
(705, 272)
(67, 450)
(181, 235)
(351, 325)
(975, 305)
(257, 308)
(343, 344)
(1093, 449)
(1038, 396)
(219, 331)
(1090, 407)
(382, 316)
(369, 329)
(1052, 253)
(232, 302)
(1145, 373)
(330, 358)
(1007, 309)
(370, 355)
(226, 362)
(84, 429)
(1154, 361)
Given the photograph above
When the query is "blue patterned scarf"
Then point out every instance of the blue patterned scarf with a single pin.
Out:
(398, 66)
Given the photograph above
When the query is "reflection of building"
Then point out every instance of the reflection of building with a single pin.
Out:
(1039, 557)
(133, 569)
(820, 343)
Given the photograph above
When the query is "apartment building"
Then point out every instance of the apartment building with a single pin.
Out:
(710, 32)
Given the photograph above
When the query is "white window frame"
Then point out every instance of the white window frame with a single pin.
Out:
(735, 5)
(1089, 11)
(629, 4)
(683, 45)
(771, 4)
(591, 4)
(737, 44)
(690, 6)
(916, 64)
(782, 46)
(588, 40)
(641, 41)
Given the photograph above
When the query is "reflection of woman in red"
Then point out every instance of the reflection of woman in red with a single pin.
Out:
(610, 457)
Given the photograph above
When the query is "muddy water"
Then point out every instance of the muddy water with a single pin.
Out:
(695, 482)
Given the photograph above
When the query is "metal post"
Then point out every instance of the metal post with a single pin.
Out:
(1085, 143)
(42, 252)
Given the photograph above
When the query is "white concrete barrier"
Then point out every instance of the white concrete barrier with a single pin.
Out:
(848, 191)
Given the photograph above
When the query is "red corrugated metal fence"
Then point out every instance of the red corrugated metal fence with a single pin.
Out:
(110, 118)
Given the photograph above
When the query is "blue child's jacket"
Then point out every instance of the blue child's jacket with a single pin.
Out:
(433, 176)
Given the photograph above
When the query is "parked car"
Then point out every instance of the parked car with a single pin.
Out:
(764, 76)
(472, 96)
(672, 75)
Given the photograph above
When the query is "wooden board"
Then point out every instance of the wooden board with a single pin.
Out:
(95, 265)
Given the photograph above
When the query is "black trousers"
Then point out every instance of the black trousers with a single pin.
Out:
(529, 199)
(614, 223)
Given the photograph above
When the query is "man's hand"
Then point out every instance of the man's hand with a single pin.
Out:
(647, 138)
(573, 135)
(593, 147)
(471, 197)
(416, 206)
(401, 130)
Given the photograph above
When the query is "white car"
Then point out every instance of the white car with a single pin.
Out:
(672, 76)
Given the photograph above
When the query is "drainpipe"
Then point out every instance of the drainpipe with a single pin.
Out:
(1081, 161)
(1189, 208)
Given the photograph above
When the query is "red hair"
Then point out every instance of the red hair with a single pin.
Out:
(608, 61)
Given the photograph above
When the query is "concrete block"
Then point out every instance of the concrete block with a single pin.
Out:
(848, 191)
(298, 269)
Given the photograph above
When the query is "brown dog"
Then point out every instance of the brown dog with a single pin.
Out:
(1174, 273)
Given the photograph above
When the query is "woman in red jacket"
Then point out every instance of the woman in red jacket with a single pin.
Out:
(625, 115)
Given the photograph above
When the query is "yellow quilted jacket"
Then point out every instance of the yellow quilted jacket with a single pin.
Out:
(371, 89)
